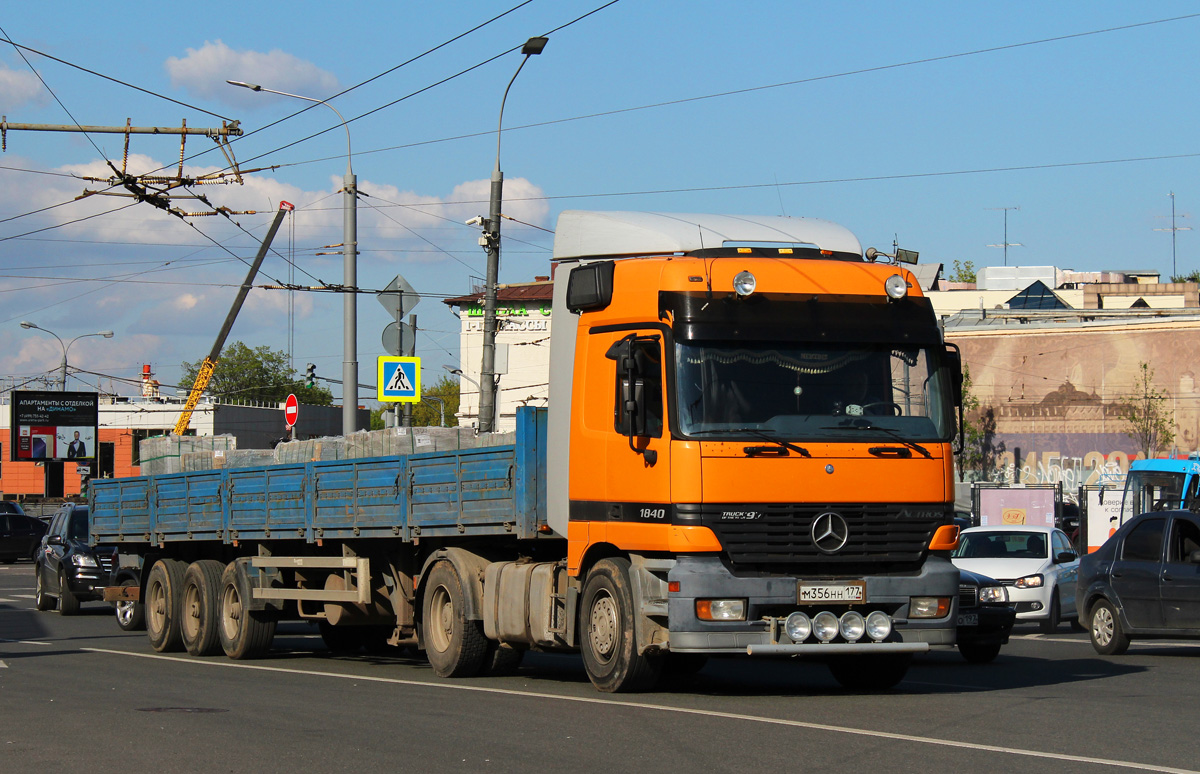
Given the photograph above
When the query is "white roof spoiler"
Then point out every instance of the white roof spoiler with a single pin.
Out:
(582, 234)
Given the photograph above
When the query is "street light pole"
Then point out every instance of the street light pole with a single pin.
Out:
(62, 379)
(349, 269)
(487, 371)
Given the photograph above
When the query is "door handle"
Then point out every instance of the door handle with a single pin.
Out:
(1166, 576)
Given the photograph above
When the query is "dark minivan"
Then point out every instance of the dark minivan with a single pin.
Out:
(1144, 582)
(20, 535)
(68, 569)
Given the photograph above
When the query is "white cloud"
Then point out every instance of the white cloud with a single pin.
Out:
(19, 87)
(203, 73)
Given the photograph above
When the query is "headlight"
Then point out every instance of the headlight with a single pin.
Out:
(721, 609)
(879, 626)
(896, 287)
(825, 626)
(83, 560)
(852, 626)
(744, 283)
(798, 626)
(928, 607)
(993, 594)
(1030, 582)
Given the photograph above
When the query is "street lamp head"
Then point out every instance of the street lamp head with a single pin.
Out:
(534, 46)
(106, 334)
(244, 85)
(26, 324)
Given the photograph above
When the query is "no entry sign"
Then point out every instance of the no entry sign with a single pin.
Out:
(291, 410)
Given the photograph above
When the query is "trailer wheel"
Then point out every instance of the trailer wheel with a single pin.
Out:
(68, 603)
(131, 616)
(244, 633)
(164, 589)
(870, 673)
(42, 601)
(454, 646)
(606, 636)
(200, 608)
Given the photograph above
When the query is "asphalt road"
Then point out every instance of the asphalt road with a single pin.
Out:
(79, 694)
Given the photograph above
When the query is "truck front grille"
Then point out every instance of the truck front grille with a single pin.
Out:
(779, 538)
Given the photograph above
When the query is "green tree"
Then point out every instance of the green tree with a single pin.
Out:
(1146, 415)
(962, 272)
(259, 374)
(1193, 277)
(978, 459)
(427, 413)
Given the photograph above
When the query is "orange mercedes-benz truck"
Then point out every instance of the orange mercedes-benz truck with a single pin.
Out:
(750, 433)
(747, 450)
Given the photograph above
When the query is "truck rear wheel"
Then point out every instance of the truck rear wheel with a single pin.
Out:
(870, 673)
(164, 589)
(200, 609)
(244, 633)
(454, 645)
(606, 636)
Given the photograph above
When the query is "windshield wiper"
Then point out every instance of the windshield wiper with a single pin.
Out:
(865, 424)
(754, 431)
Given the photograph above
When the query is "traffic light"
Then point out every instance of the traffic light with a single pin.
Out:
(310, 375)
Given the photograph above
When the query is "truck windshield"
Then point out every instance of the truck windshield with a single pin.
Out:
(1151, 490)
(795, 390)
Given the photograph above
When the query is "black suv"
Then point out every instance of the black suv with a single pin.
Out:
(985, 617)
(67, 567)
(20, 535)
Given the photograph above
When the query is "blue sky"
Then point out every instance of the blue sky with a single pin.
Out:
(899, 121)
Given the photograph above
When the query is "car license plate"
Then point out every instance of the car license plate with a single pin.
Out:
(817, 593)
(968, 619)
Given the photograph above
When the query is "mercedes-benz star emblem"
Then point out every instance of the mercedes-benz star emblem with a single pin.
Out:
(830, 532)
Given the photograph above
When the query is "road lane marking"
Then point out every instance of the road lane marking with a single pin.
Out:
(29, 642)
(664, 708)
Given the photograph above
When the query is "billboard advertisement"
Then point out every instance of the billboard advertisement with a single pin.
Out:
(1017, 505)
(53, 426)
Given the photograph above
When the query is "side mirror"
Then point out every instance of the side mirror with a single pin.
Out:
(1065, 556)
(54, 540)
(1194, 557)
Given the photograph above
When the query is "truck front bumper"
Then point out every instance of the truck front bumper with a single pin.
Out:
(769, 599)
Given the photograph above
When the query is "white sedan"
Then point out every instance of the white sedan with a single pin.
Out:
(1036, 564)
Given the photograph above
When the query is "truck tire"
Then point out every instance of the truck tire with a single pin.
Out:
(42, 600)
(164, 588)
(200, 611)
(979, 653)
(606, 632)
(454, 645)
(499, 660)
(870, 673)
(131, 616)
(1108, 638)
(244, 633)
(68, 603)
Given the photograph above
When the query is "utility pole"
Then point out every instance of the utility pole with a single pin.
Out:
(1006, 244)
(1173, 229)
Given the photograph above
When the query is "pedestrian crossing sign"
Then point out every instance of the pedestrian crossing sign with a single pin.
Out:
(399, 379)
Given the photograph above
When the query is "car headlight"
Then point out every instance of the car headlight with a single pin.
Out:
(83, 560)
(1030, 582)
(993, 594)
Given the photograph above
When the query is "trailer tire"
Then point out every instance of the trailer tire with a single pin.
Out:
(607, 638)
(244, 633)
(164, 592)
(870, 673)
(200, 607)
(43, 601)
(454, 645)
(68, 603)
(131, 616)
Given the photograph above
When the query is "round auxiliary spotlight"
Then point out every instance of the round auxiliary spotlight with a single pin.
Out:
(744, 283)
(896, 287)
(852, 626)
(879, 626)
(825, 626)
(798, 626)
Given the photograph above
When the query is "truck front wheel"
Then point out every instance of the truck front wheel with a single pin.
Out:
(606, 636)
(164, 589)
(244, 633)
(454, 645)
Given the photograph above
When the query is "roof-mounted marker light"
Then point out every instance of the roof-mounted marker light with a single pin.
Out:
(786, 251)
(896, 287)
(744, 283)
(744, 251)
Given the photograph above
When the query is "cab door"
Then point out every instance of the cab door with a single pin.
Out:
(1135, 574)
(637, 450)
